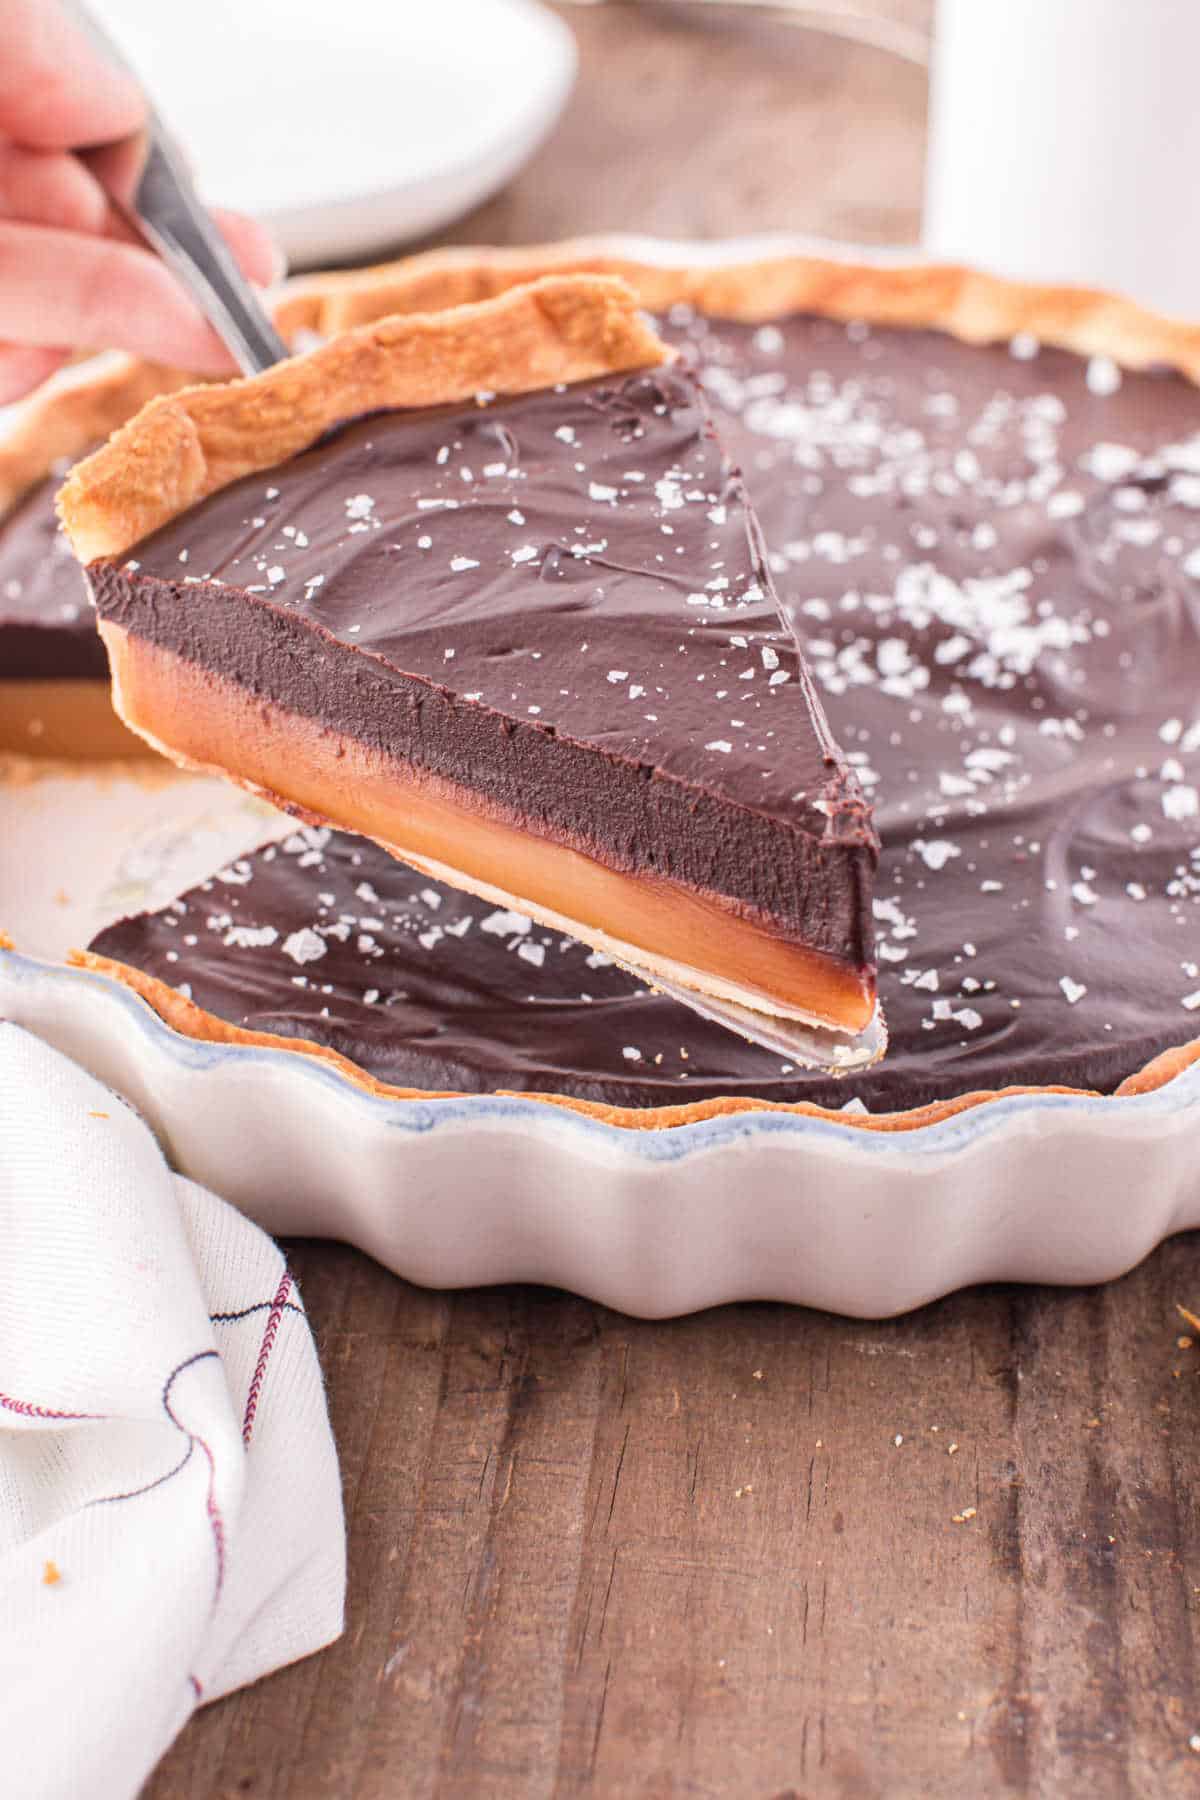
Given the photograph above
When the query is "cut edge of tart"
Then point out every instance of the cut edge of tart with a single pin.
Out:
(68, 714)
(743, 967)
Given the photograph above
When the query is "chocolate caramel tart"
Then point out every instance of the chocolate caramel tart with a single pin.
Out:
(992, 554)
(530, 642)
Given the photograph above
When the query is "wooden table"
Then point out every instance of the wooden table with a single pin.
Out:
(720, 1556)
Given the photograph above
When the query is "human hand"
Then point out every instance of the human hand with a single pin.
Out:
(71, 274)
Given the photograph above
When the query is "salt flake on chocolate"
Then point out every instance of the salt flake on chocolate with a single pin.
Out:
(250, 937)
(506, 924)
(935, 853)
(1181, 802)
(304, 946)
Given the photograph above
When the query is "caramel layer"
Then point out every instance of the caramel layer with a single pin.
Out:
(71, 719)
(187, 711)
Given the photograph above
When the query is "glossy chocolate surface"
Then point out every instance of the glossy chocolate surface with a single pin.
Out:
(993, 559)
(558, 603)
(47, 626)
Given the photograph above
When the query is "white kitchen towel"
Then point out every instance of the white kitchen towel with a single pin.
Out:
(170, 1509)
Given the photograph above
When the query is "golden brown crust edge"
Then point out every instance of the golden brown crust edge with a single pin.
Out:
(184, 446)
(71, 412)
(976, 307)
(191, 1021)
(79, 406)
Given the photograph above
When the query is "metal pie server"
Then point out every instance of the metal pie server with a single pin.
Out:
(164, 209)
(148, 181)
(806, 1046)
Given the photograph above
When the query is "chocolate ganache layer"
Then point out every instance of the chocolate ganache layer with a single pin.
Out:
(558, 605)
(993, 559)
(47, 626)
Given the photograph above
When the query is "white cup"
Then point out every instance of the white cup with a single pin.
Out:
(1064, 144)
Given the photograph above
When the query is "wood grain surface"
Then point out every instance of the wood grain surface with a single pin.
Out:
(761, 1551)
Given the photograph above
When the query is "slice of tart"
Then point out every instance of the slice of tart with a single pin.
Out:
(483, 586)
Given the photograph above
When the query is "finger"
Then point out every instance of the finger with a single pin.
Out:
(22, 369)
(50, 187)
(259, 256)
(56, 89)
(60, 288)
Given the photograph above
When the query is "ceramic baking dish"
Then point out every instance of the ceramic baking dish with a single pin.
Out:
(755, 1206)
(762, 1205)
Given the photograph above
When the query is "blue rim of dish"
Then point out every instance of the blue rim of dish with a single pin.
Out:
(959, 1131)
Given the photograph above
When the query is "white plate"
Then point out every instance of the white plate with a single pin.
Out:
(356, 124)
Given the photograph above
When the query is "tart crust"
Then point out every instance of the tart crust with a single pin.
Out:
(184, 446)
(70, 412)
(967, 303)
(79, 406)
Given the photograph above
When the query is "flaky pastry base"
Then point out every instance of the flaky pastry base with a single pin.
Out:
(184, 446)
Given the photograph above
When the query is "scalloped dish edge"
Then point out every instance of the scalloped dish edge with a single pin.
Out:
(954, 1126)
